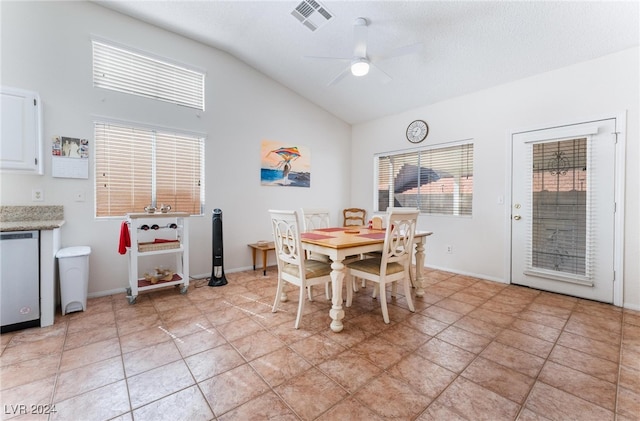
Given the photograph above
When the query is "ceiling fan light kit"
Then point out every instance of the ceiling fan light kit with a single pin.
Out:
(359, 67)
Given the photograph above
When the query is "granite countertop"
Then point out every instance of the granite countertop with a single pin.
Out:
(29, 218)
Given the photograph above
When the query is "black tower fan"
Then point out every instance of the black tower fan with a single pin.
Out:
(217, 270)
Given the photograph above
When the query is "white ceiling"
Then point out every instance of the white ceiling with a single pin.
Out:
(467, 46)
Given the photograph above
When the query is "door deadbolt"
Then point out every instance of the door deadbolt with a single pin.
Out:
(517, 206)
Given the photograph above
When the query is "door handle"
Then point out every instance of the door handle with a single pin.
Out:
(517, 217)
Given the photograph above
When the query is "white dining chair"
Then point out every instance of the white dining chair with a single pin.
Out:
(293, 267)
(316, 218)
(394, 263)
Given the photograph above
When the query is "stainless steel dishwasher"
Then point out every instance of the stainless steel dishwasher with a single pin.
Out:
(19, 280)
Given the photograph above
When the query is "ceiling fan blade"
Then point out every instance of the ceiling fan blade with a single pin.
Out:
(340, 76)
(328, 58)
(384, 76)
(360, 38)
(399, 52)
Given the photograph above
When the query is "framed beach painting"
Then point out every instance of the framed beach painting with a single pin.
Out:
(287, 165)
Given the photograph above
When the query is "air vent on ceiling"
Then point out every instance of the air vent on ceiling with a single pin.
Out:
(312, 14)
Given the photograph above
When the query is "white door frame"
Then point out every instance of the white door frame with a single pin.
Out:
(618, 263)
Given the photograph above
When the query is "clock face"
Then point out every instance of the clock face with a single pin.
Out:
(417, 131)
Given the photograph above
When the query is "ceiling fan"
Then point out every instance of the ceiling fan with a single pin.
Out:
(360, 63)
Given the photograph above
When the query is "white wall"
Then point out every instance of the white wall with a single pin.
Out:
(46, 47)
(599, 88)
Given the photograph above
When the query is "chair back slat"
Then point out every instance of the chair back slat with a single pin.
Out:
(315, 218)
(398, 241)
(354, 217)
(286, 238)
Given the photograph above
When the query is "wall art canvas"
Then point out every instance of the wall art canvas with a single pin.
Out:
(287, 165)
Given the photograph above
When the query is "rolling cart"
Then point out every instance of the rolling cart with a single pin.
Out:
(158, 234)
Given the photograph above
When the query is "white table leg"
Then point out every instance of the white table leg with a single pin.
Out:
(419, 265)
(336, 312)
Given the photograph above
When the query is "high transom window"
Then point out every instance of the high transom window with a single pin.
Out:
(124, 70)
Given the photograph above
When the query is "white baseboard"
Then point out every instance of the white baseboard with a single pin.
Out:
(475, 275)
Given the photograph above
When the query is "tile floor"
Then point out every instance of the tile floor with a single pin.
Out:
(473, 350)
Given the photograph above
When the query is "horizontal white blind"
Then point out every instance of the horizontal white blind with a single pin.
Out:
(136, 167)
(437, 180)
(130, 72)
(559, 232)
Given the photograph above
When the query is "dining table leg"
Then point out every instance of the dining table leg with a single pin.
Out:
(336, 312)
(419, 283)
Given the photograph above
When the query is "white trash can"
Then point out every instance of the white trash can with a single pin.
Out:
(73, 264)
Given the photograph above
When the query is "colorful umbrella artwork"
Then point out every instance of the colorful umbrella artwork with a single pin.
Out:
(287, 154)
(278, 165)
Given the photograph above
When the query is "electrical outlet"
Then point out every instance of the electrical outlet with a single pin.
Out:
(37, 195)
(449, 249)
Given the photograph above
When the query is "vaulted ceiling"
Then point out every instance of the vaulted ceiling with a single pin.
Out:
(466, 45)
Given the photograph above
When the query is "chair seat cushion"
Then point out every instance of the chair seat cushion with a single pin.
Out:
(373, 266)
(314, 268)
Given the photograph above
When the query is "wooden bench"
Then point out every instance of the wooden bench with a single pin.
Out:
(264, 247)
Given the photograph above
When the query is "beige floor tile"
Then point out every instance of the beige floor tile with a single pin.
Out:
(87, 354)
(28, 371)
(555, 404)
(476, 402)
(232, 388)
(466, 340)
(628, 403)
(500, 379)
(350, 370)
(317, 348)
(402, 401)
(530, 344)
(105, 403)
(349, 409)
(88, 377)
(280, 366)
(426, 325)
(428, 378)
(144, 359)
(213, 362)
(521, 361)
(19, 400)
(264, 407)
(185, 405)
(158, 383)
(446, 355)
(594, 366)
(599, 392)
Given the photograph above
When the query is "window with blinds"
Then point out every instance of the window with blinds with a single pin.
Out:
(559, 228)
(136, 167)
(436, 180)
(134, 73)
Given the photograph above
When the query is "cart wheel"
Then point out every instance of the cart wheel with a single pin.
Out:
(128, 291)
(132, 300)
(184, 289)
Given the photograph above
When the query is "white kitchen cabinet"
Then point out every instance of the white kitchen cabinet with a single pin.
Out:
(158, 236)
(21, 132)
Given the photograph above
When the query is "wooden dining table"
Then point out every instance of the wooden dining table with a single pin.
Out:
(341, 242)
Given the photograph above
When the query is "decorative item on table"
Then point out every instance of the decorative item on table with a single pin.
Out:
(160, 274)
(262, 243)
(150, 209)
(376, 223)
(165, 208)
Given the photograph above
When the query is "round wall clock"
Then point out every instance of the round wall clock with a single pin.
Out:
(417, 131)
